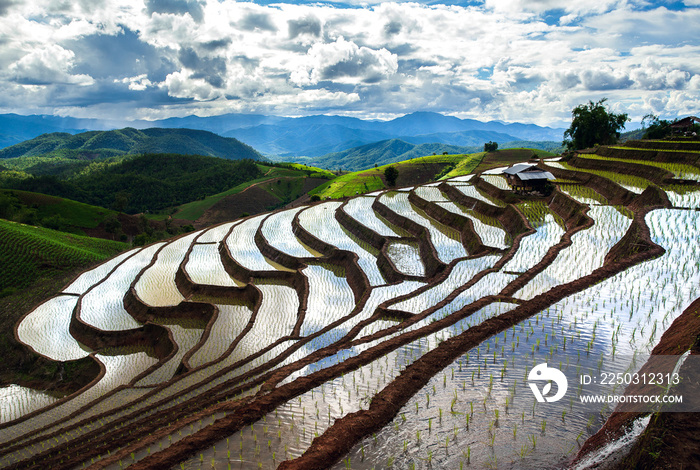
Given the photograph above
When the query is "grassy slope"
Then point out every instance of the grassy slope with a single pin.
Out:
(365, 181)
(36, 264)
(29, 254)
(508, 157)
(195, 209)
(76, 214)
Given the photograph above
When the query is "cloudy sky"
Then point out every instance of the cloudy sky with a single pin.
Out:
(513, 60)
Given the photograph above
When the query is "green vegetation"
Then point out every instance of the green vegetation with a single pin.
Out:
(145, 183)
(64, 163)
(351, 184)
(312, 171)
(418, 170)
(382, 153)
(194, 210)
(50, 211)
(535, 211)
(578, 190)
(96, 145)
(678, 169)
(285, 181)
(29, 254)
(465, 166)
(655, 128)
(593, 124)
(490, 146)
(660, 150)
(390, 175)
(626, 181)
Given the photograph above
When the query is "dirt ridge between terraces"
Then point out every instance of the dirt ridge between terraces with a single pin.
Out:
(431, 261)
(613, 192)
(513, 221)
(652, 173)
(683, 335)
(470, 239)
(657, 155)
(346, 431)
(495, 192)
(377, 241)
(342, 436)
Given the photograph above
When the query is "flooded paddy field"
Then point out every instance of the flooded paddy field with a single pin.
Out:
(371, 338)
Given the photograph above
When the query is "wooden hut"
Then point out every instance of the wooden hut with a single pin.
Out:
(685, 125)
(524, 177)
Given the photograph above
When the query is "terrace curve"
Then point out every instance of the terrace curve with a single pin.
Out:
(250, 322)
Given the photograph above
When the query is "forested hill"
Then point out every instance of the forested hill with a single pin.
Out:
(101, 144)
(144, 183)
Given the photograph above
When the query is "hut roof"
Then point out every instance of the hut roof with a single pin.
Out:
(528, 172)
(685, 122)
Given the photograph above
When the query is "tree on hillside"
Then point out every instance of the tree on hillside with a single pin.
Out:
(391, 174)
(592, 124)
(490, 146)
(655, 128)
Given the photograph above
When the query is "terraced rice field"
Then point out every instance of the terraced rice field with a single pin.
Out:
(365, 334)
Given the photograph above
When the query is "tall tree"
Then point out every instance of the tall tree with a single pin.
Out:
(391, 174)
(490, 146)
(592, 124)
(655, 128)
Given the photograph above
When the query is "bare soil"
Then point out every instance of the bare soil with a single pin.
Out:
(253, 200)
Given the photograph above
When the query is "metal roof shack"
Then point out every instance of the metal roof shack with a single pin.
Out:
(524, 177)
(684, 125)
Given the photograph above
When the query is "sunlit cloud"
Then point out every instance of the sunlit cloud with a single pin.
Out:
(513, 60)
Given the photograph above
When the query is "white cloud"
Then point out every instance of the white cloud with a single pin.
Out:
(48, 65)
(182, 85)
(138, 83)
(540, 6)
(344, 62)
(488, 61)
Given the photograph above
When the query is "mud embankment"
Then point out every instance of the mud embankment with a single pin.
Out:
(495, 192)
(428, 254)
(652, 173)
(470, 239)
(356, 277)
(510, 218)
(670, 440)
(656, 155)
(691, 145)
(613, 192)
(376, 241)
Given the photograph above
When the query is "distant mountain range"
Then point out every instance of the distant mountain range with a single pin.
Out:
(310, 136)
(397, 150)
(93, 145)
